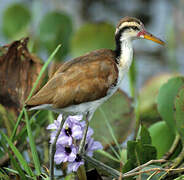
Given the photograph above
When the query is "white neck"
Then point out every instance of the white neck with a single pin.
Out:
(126, 54)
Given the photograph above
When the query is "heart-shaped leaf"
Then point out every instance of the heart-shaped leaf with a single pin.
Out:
(161, 137)
(119, 113)
(92, 37)
(16, 18)
(179, 113)
(166, 97)
(55, 28)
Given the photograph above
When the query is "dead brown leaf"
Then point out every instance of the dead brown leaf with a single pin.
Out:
(18, 72)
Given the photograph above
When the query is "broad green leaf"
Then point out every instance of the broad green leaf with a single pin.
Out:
(132, 74)
(19, 156)
(140, 151)
(131, 145)
(145, 137)
(16, 18)
(55, 28)
(92, 37)
(179, 113)
(128, 166)
(32, 145)
(145, 153)
(166, 97)
(148, 95)
(162, 138)
(119, 113)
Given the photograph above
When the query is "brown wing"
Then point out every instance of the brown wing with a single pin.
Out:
(83, 79)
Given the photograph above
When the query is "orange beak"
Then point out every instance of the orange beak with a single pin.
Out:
(151, 37)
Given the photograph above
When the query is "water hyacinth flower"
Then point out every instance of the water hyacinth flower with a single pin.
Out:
(69, 132)
(69, 139)
(71, 129)
(65, 154)
(91, 146)
(72, 167)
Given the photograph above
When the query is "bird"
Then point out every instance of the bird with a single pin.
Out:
(82, 84)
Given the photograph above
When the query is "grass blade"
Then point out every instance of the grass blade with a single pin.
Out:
(43, 70)
(112, 149)
(23, 130)
(19, 156)
(16, 172)
(13, 161)
(32, 144)
(110, 130)
(108, 155)
(3, 175)
(16, 126)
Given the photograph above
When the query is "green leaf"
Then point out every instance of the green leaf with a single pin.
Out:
(162, 138)
(16, 126)
(127, 167)
(132, 74)
(131, 145)
(145, 136)
(19, 156)
(55, 28)
(179, 113)
(32, 145)
(166, 97)
(108, 155)
(92, 37)
(13, 161)
(118, 112)
(148, 95)
(145, 153)
(140, 151)
(16, 18)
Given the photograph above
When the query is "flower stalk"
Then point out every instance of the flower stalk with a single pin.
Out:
(53, 148)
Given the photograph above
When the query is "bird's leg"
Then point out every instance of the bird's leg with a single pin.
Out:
(53, 147)
(82, 143)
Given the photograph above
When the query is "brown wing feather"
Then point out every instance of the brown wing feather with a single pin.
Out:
(83, 79)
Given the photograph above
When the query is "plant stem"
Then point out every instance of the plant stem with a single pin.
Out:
(82, 143)
(173, 147)
(53, 148)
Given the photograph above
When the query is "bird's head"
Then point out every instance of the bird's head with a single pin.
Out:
(132, 28)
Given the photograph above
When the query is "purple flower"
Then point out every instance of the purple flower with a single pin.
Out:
(76, 118)
(90, 130)
(72, 129)
(65, 154)
(92, 146)
(72, 167)
(69, 132)
(69, 139)
(56, 123)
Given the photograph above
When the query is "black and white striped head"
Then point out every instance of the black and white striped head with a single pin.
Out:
(132, 28)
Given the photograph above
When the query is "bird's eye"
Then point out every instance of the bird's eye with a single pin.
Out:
(135, 28)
